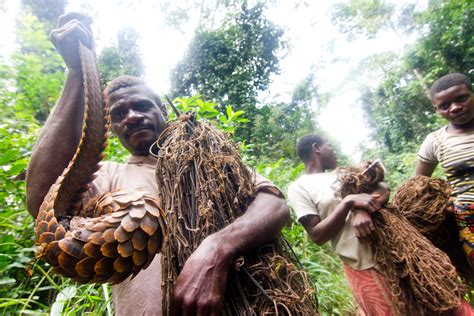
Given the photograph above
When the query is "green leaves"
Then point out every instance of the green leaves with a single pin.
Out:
(232, 64)
(124, 58)
(365, 17)
(227, 121)
(398, 108)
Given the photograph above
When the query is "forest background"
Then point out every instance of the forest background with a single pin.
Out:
(233, 56)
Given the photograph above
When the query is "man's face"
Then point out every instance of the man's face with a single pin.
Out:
(136, 118)
(455, 104)
(327, 156)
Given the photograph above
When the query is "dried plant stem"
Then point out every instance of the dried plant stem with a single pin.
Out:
(204, 186)
(420, 276)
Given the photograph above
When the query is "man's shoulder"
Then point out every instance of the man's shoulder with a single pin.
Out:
(310, 180)
(439, 132)
(110, 167)
(442, 135)
(434, 137)
(111, 164)
(297, 182)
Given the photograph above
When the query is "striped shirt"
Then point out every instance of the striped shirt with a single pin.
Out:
(455, 154)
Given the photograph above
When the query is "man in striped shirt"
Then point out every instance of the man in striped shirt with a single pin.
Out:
(452, 146)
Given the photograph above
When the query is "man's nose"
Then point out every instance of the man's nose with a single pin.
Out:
(455, 107)
(133, 117)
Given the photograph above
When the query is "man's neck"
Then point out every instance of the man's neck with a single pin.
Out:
(313, 167)
(141, 159)
(461, 129)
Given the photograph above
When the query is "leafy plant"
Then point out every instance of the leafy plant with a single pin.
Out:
(226, 121)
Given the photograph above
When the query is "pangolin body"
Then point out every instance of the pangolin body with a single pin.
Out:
(115, 234)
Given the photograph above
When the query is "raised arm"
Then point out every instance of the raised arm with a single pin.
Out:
(61, 133)
(424, 168)
(201, 284)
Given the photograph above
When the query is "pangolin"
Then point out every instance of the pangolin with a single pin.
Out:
(115, 234)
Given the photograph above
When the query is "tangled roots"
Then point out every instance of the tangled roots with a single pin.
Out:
(362, 179)
(204, 186)
(420, 276)
(422, 201)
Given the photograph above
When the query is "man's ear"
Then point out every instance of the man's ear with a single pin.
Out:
(165, 112)
(316, 148)
(435, 108)
(163, 109)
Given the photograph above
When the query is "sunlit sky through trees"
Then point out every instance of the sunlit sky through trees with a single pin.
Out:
(314, 44)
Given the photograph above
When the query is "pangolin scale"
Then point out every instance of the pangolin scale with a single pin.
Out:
(117, 233)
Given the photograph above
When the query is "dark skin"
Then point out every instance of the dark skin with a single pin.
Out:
(137, 118)
(456, 105)
(320, 231)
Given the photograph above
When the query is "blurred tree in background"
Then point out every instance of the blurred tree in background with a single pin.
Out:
(230, 62)
(397, 107)
(124, 58)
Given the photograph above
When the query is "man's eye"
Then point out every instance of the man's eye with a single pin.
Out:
(462, 98)
(444, 106)
(117, 115)
(141, 106)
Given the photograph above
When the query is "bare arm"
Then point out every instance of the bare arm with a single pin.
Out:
(201, 284)
(320, 231)
(362, 220)
(61, 133)
(424, 168)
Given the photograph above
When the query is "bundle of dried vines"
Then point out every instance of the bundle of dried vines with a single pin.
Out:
(421, 277)
(422, 201)
(204, 186)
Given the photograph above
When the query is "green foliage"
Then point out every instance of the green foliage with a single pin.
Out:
(46, 11)
(365, 17)
(279, 125)
(28, 90)
(232, 64)
(23, 102)
(122, 59)
(39, 71)
(400, 113)
(447, 42)
(115, 151)
(398, 107)
(227, 120)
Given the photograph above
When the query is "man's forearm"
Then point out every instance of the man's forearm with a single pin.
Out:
(424, 168)
(203, 279)
(262, 221)
(331, 225)
(57, 142)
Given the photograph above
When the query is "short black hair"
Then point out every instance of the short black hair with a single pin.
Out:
(305, 144)
(126, 81)
(449, 81)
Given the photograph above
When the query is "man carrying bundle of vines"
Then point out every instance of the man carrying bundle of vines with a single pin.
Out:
(327, 217)
(452, 146)
(316, 198)
(138, 117)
